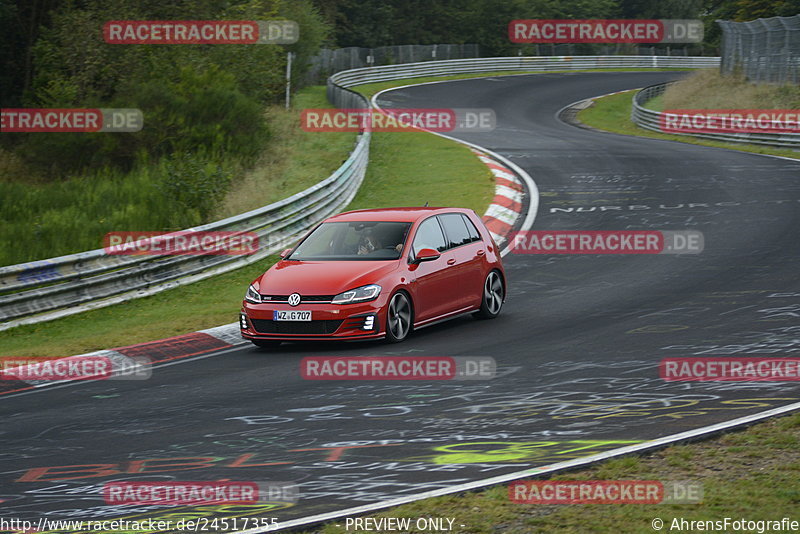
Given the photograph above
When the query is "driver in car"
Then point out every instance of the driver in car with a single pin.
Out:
(367, 242)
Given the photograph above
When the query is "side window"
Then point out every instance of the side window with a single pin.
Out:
(429, 235)
(455, 229)
(473, 232)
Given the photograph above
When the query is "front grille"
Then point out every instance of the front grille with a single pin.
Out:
(268, 326)
(303, 298)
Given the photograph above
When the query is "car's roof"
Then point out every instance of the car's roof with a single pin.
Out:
(394, 214)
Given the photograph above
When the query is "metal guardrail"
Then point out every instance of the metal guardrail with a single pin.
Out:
(47, 289)
(328, 62)
(651, 120)
(518, 64)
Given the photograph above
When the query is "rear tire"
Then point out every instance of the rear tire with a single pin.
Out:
(494, 293)
(265, 343)
(399, 318)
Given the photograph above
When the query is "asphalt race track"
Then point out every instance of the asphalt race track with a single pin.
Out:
(577, 345)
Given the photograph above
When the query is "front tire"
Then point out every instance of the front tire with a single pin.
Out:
(399, 318)
(494, 293)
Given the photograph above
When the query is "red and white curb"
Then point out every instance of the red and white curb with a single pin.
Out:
(135, 362)
(507, 206)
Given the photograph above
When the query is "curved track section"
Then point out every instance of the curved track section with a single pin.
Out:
(577, 346)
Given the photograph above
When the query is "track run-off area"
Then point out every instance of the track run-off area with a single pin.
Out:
(577, 345)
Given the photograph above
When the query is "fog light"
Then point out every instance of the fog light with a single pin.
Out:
(243, 321)
(369, 322)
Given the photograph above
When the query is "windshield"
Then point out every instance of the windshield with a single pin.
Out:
(357, 240)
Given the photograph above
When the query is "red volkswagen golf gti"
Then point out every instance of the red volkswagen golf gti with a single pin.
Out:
(377, 273)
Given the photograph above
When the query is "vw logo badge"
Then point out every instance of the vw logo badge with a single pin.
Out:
(294, 299)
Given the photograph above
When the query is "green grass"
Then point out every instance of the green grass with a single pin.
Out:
(406, 169)
(709, 89)
(47, 219)
(412, 168)
(293, 161)
(612, 113)
(44, 219)
(761, 484)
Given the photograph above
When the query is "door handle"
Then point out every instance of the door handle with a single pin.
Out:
(451, 261)
(481, 252)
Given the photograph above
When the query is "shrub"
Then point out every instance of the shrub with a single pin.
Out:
(195, 183)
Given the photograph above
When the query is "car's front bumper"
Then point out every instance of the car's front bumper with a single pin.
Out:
(364, 320)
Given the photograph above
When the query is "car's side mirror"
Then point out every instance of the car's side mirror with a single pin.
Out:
(426, 254)
(285, 253)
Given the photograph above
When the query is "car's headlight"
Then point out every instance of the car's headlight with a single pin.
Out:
(252, 295)
(360, 294)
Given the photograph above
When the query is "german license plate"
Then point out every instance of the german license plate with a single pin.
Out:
(291, 315)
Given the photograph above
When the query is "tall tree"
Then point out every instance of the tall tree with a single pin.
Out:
(21, 24)
(661, 9)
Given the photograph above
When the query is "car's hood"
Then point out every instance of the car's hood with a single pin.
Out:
(322, 277)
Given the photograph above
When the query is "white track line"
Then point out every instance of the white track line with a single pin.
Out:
(536, 471)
